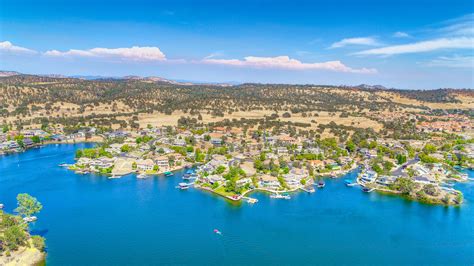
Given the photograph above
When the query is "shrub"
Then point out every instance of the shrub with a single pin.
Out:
(38, 242)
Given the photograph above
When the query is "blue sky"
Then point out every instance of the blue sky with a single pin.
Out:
(406, 44)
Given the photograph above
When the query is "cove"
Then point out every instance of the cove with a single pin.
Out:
(90, 219)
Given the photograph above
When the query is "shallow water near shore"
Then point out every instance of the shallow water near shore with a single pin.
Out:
(89, 219)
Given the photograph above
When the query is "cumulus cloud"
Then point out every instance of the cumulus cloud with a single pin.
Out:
(355, 41)
(134, 53)
(284, 62)
(8, 47)
(423, 46)
(453, 61)
(401, 34)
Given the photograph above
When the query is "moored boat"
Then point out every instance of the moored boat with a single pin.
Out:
(252, 200)
(168, 173)
(1, 206)
(142, 176)
(280, 196)
(321, 184)
(183, 186)
(367, 190)
(30, 219)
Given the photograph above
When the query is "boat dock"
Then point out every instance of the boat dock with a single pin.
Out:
(352, 184)
(309, 190)
(250, 200)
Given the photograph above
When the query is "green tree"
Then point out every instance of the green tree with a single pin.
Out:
(36, 139)
(377, 168)
(429, 148)
(387, 166)
(125, 148)
(14, 236)
(220, 169)
(401, 159)
(27, 205)
(350, 146)
(79, 154)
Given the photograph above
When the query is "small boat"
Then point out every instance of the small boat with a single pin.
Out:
(30, 219)
(217, 232)
(1, 206)
(189, 172)
(252, 200)
(347, 181)
(280, 196)
(183, 186)
(321, 184)
(142, 176)
(168, 173)
(65, 165)
(186, 176)
(367, 190)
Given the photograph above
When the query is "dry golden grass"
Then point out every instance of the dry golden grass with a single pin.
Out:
(466, 102)
(325, 118)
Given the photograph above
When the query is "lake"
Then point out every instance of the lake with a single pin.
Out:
(90, 219)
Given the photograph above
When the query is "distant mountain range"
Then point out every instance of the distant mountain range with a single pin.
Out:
(371, 87)
(151, 78)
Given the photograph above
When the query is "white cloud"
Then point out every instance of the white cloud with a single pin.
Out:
(401, 34)
(423, 46)
(134, 53)
(8, 47)
(355, 41)
(214, 55)
(284, 62)
(461, 26)
(454, 61)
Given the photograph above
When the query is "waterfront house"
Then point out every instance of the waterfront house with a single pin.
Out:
(316, 164)
(162, 162)
(242, 182)
(368, 176)
(215, 179)
(424, 180)
(12, 144)
(28, 142)
(268, 181)
(386, 180)
(102, 162)
(145, 165)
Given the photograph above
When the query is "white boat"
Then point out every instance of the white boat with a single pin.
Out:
(183, 186)
(252, 200)
(1, 206)
(30, 219)
(280, 196)
(142, 176)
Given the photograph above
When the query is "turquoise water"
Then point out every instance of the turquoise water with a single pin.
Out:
(92, 220)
